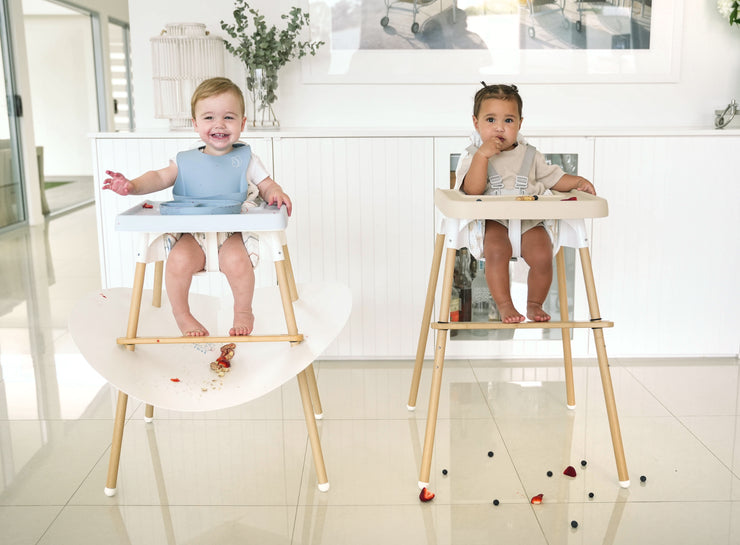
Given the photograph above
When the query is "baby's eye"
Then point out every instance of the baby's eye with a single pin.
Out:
(509, 120)
(489, 120)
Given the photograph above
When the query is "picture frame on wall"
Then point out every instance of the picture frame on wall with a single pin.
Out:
(527, 41)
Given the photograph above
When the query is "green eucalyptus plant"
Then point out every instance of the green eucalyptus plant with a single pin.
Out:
(264, 50)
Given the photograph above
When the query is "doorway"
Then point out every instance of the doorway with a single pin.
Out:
(64, 97)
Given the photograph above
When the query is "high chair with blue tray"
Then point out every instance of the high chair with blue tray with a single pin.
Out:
(172, 371)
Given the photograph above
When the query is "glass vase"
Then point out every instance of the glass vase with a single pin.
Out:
(261, 86)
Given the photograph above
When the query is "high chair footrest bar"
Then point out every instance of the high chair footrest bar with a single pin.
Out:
(203, 340)
(523, 325)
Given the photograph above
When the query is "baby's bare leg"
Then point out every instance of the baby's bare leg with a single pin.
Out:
(236, 265)
(537, 252)
(497, 251)
(185, 259)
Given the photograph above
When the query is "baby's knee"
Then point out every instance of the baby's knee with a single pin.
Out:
(233, 259)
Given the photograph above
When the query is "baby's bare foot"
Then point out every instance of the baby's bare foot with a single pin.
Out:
(243, 323)
(535, 312)
(509, 314)
(189, 326)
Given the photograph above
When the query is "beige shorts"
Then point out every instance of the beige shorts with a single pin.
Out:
(251, 243)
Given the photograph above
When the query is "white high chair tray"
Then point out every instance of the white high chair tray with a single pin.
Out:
(262, 218)
(455, 204)
(178, 376)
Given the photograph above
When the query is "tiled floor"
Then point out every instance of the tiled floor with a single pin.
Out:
(246, 475)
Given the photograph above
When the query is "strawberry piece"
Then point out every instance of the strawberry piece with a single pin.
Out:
(536, 500)
(570, 471)
(426, 495)
(570, 199)
(147, 205)
(175, 379)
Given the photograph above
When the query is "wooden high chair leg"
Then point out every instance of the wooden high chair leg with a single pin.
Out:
(149, 413)
(313, 432)
(570, 392)
(289, 273)
(313, 389)
(115, 449)
(606, 380)
(439, 360)
(425, 320)
(157, 292)
(135, 308)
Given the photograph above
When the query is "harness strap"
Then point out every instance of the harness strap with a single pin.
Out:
(495, 181)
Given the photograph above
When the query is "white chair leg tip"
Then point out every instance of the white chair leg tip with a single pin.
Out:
(624, 484)
(422, 484)
(571, 407)
(110, 492)
(148, 420)
(323, 487)
(411, 408)
(318, 416)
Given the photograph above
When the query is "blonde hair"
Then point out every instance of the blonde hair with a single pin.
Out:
(216, 86)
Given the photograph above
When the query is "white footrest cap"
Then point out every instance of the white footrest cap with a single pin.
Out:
(571, 407)
(411, 408)
(624, 484)
(318, 416)
(323, 487)
(422, 484)
(110, 492)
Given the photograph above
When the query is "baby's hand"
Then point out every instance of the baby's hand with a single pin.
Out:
(279, 198)
(490, 147)
(117, 183)
(585, 185)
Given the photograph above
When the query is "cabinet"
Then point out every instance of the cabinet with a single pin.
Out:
(665, 259)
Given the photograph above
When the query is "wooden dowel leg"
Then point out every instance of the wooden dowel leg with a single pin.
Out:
(289, 274)
(313, 389)
(439, 360)
(135, 308)
(425, 320)
(149, 413)
(157, 292)
(115, 449)
(570, 392)
(606, 380)
(283, 284)
(313, 433)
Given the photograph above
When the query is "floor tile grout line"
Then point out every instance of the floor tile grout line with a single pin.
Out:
(685, 426)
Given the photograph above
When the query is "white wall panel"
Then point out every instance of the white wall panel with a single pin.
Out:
(363, 217)
(669, 254)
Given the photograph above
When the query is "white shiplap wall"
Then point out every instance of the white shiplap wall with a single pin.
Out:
(364, 217)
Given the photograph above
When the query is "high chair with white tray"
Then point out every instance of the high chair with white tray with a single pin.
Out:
(570, 210)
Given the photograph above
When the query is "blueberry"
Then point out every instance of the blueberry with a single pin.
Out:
(444, 472)
(549, 473)
(495, 502)
(590, 494)
(573, 524)
(490, 454)
(643, 479)
(583, 463)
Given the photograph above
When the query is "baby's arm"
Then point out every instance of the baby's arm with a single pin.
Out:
(568, 182)
(272, 193)
(149, 182)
